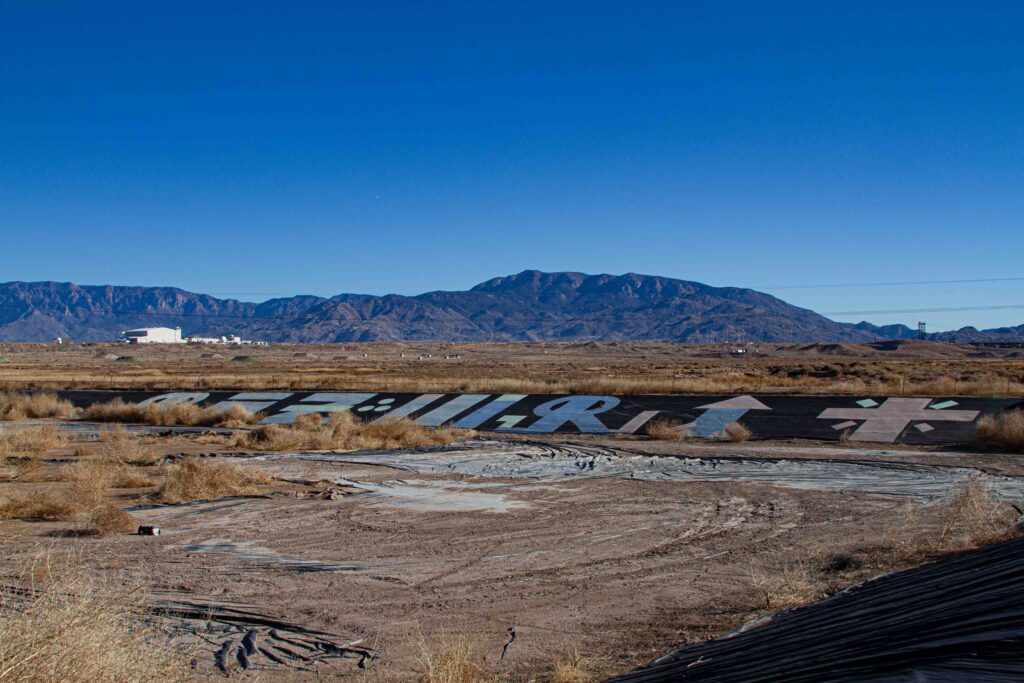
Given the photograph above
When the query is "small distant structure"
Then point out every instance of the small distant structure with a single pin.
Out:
(230, 340)
(921, 333)
(153, 335)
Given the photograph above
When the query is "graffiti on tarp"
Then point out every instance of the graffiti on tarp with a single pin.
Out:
(878, 419)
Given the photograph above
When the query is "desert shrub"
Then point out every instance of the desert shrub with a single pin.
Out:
(786, 583)
(89, 484)
(195, 479)
(110, 519)
(120, 446)
(64, 623)
(573, 668)
(736, 432)
(972, 516)
(31, 441)
(36, 406)
(183, 414)
(37, 506)
(664, 429)
(455, 658)
(342, 431)
(1005, 431)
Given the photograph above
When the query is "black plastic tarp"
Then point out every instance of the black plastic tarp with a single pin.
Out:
(958, 619)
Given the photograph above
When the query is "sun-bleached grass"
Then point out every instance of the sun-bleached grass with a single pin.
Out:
(573, 668)
(786, 583)
(37, 506)
(456, 657)
(197, 479)
(736, 432)
(973, 516)
(169, 414)
(14, 406)
(120, 446)
(1005, 431)
(61, 622)
(110, 519)
(342, 431)
(664, 429)
(34, 440)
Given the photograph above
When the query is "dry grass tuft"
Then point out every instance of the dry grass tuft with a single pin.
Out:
(37, 506)
(455, 658)
(664, 429)
(67, 625)
(110, 519)
(195, 479)
(31, 441)
(36, 406)
(573, 669)
(120, 446)
(786, 584)
(90, 484)
(1005, 431)
(736, 432)
(973, 516)
(169, 414)
(342, 431)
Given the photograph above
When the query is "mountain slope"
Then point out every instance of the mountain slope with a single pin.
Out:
(529, 306)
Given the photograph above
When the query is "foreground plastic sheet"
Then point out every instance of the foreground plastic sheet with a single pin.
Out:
(959, 619)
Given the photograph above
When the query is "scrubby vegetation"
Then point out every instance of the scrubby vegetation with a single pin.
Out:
(195, 479)
(342, 431)
(1004, 431)
(61, 622)
(36, 406)
(169, 414)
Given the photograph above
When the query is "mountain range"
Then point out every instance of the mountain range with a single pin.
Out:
(529, 306)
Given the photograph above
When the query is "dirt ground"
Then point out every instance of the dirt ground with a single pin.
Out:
(894, 368)
(605, 551)
(616, 568)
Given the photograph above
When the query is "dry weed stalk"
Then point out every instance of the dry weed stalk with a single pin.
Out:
(973, 516)
(1005, 431)
(195, 479)
(664, 429)
(31, 441)
(35, 406)
(169, 414)
(736, 432)
(37, 506)
(342, 431)
(64, 623)
(786, 583)
(455, 658)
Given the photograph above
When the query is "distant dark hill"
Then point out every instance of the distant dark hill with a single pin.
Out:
(530, 306)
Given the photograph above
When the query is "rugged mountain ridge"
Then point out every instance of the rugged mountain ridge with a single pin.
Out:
(529, 306)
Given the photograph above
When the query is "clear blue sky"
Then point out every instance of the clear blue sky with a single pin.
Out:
(259, 149)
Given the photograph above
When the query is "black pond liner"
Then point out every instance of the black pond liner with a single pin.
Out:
(958, 619)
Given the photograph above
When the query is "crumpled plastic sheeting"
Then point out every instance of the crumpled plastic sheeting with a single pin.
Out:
(539, 460)
(959, 619)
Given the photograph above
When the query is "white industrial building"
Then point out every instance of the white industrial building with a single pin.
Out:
(154, 335)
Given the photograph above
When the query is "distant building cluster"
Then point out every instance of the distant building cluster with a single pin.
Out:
(168, 335)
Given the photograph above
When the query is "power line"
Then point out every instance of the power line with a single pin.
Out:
(892, 284)
(955, 309)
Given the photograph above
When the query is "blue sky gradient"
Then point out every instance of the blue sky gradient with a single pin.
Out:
(268, 149)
